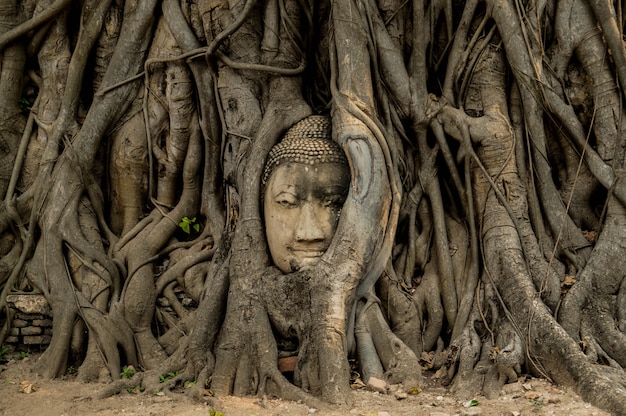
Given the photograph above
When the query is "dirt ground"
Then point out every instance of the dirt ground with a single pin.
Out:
(22, 393)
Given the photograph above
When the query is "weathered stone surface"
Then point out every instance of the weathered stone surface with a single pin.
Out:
(30, 304)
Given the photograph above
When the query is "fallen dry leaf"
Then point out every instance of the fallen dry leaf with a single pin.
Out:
(27, 387)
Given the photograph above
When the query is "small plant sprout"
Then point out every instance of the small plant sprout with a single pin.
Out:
(187, 224)
(127, 373)
(537, 403)
(3, 353)
(471, 403)
(164, 377)
(23, 354)
(24, 105)
(136, 389)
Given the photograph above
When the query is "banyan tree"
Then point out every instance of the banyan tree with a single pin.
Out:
(464, 179)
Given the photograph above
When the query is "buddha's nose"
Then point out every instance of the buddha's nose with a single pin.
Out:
(309, 226)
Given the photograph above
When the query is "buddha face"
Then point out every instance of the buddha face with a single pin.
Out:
(302, 204)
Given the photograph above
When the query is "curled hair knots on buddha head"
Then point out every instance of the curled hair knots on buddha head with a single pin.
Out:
(308, 142)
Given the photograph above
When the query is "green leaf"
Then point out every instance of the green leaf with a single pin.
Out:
(24, 104)
(470, 403)
(184, 225)
(187, 223)
(127, 373)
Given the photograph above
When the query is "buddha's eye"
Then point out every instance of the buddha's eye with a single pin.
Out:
(332, 201)
(286, 200)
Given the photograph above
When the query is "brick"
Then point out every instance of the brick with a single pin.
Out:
(29, 316)
(31, 330)
(12, 340)
(20, 323)
(47, 331)
(42, 322)
(287, 364)
(14, 331)
(36, 339)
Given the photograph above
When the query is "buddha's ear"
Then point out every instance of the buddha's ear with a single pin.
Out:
(366, 228)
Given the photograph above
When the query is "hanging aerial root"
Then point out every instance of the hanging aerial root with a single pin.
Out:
(427, 299)
(42, 18)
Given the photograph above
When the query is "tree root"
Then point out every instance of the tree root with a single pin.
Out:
(604, 387)
(399, 362)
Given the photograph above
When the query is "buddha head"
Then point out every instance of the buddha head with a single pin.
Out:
(305, 183)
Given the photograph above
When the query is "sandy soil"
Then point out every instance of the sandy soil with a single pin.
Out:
(23, 394)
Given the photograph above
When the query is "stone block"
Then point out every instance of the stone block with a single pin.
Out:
(29, 316)
(42, 322)
(286, 364)
(31, 330)
(12, 340)
(29, 303)
(20, 323)
(36, 340)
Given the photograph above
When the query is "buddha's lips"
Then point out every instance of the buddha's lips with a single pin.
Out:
(302, 253)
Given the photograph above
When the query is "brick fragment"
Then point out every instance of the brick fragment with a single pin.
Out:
(376, 384)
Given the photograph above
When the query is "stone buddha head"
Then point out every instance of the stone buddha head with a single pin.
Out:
(305, 183)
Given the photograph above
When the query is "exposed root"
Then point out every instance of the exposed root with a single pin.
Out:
(604, 387)
(119, 386)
